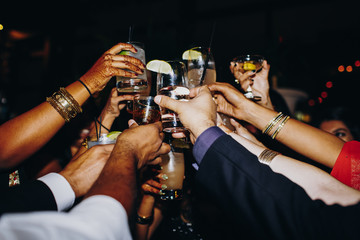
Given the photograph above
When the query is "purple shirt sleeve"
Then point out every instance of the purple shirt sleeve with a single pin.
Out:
(204, 141)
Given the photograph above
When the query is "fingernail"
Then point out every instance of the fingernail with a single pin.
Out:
(253, 71)
(165, 177)
(163, 187)
(157, 99)
(161, 192)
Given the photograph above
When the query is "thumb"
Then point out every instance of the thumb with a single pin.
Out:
(167, 102)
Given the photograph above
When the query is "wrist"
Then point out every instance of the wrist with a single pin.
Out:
(198, 130)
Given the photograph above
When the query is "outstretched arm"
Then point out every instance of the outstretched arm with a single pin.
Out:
(302, 138)
(24, 135)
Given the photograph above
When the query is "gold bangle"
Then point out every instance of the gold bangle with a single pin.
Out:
(273, 136)
(64, 104)
(57, 106)
(267, 156)
(272, 123)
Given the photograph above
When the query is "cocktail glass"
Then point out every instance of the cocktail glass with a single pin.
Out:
(103, 139)
(175, 85)
(174, 167)
(200, 59)
(145, 110)
(139, 83)
(252, 63)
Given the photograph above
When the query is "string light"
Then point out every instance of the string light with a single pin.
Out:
(324, 94)
(357, 63)
(1, 27)
(349, 68)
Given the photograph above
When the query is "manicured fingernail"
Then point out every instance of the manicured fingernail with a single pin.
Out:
(157, 99)
(253, 71)
(163, 187)
(165, 177)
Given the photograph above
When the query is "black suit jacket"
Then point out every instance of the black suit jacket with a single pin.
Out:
(31, 196)
(266, 205)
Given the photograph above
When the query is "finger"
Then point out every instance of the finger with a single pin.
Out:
(178, 135)
(231, 67)
(247, 75)
(167, 102)
(147, 188)
(155, 161)
(132, 123)
(126, 65)
(130, 59)
(164, 149)
(153, 183)
(123, 73)
(125, 97)
(121, 46)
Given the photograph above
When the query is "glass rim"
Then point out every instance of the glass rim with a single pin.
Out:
(248, 57)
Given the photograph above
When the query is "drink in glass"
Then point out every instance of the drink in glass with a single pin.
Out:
(200, 59)
(136, 84)
(145, 110)
(173, 166)
(250, 63)
(103, 139)
(174, 85)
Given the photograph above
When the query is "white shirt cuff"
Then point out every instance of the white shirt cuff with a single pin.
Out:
(63, 193)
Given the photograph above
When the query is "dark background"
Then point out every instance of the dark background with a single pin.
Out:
(304, 41)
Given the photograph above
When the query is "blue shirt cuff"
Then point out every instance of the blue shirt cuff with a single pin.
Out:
(204, 141)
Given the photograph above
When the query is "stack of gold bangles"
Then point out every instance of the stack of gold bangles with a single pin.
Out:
(64, 104)
(267, 156)
(279, 121)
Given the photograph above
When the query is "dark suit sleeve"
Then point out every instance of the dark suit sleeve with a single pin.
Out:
(32, 196)
(265, 204)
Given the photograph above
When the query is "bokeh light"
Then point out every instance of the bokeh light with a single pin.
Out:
(341, 68)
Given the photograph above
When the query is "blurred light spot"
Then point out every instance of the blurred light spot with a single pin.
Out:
(357, 63)
(311, 102)
(341, 68)
(329, 84)
(320, 99)
(324, 94)
(349, 69)
(1, 27)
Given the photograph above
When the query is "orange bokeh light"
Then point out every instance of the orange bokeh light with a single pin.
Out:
(341, 68)
(349, 68)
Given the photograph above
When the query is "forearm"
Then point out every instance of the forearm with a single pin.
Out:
(118, 179)
(24, 135)
(146, 209)
(311, 142)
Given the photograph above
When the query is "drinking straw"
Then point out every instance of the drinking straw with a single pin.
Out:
(100, 127)
(97, 135)
(208, 55)
(131, 30)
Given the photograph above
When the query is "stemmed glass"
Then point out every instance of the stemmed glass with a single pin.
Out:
(247, 63)
(175, 85)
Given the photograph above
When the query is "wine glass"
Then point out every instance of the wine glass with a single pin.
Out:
(173, 84)
(247, 63)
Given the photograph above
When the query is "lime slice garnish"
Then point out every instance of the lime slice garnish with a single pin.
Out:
(191, 55)
(159, 66)
(113, 135)
(249, 66)
(124, 52)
